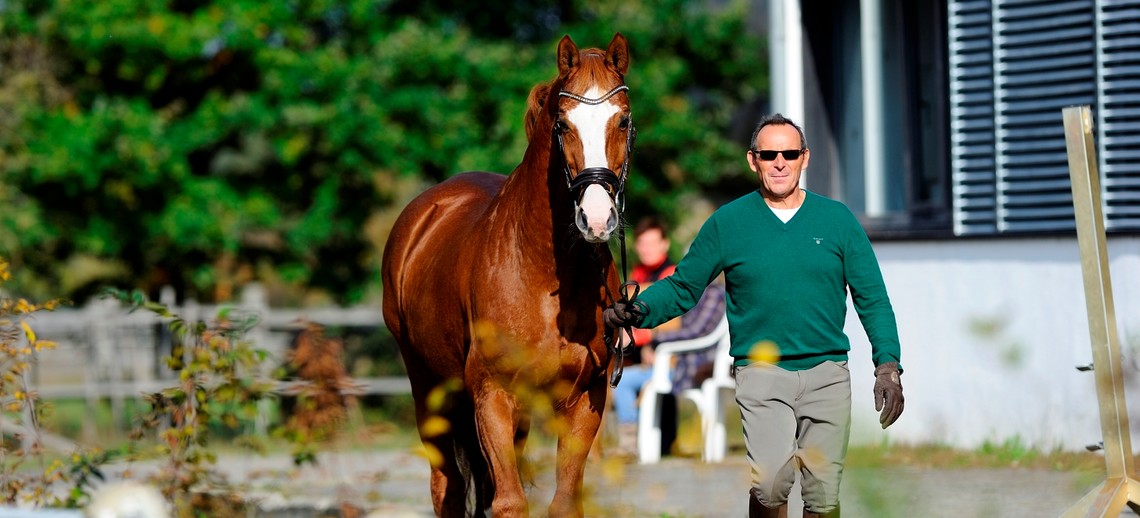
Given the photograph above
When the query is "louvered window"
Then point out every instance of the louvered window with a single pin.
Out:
(972, 141)
(1014, 64)
(1118, 114)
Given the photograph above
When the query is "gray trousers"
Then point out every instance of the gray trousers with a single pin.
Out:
(796, 419)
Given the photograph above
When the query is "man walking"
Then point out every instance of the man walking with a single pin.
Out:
(789, 257)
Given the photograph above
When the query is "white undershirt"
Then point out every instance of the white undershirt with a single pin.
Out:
(784, 214)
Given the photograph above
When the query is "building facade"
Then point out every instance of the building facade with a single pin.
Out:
(939, 123)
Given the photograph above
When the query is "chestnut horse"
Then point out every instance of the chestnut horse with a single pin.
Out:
(495, 285)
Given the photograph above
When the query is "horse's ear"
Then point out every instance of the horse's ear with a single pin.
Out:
(535, 102)
(618, 53)
(567, 55)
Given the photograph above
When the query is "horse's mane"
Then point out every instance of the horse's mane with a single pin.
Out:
(592, 69)
(534, 104)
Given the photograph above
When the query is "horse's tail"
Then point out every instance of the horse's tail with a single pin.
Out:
(470, 461)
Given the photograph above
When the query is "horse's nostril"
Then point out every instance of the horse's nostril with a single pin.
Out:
(583, 222)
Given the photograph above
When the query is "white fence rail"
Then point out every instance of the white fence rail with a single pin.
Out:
(106, 351)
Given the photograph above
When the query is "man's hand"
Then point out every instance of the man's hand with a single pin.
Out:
(888, 393)
(622, 314)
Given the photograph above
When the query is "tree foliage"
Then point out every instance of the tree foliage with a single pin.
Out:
(205, 144)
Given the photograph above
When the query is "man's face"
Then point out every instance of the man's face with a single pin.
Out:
(651, 247)
(779, 175)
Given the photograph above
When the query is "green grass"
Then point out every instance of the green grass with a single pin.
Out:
(1011, 453)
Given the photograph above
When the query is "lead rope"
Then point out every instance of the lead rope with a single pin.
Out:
(616, 340)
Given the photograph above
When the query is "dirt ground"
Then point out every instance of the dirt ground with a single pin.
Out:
(395, 483)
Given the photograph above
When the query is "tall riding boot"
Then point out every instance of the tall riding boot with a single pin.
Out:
(759, 510)
(834, 513)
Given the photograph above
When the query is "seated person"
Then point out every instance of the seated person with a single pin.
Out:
(652, 246)
(690, 369)
(694, 367)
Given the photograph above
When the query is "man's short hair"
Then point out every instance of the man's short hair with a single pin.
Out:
(777, 118)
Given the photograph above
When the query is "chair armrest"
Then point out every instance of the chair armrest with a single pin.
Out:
(659, 379)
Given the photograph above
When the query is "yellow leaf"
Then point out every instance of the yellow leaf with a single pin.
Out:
(613, 469)
(432, 454)
(434, 426)
(28, 332)
(436, 398)
(765, 351)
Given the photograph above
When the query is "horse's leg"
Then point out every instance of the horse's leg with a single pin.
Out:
(606, 429)
(496, 417)
(582, 420)
(522, 432)
(485, 486)
(448, 486)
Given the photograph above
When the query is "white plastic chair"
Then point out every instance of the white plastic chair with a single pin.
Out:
(707, 397)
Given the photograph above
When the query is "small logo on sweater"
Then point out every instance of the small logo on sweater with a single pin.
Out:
(818, 240)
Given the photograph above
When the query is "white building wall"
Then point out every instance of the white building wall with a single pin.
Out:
(991, 332)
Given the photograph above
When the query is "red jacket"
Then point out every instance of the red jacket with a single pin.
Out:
(646, 275)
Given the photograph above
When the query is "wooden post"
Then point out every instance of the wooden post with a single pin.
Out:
(1121, 487)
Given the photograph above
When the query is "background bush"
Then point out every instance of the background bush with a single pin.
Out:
(206, 144)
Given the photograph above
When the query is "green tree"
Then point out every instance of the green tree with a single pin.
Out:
(205, 144)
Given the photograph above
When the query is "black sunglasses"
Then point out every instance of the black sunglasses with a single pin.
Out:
(769, 154)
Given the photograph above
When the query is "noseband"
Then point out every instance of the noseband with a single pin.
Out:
(614, 183)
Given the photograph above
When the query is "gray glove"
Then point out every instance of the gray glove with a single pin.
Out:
(888, 393)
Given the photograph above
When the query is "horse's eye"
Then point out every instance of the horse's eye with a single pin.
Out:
(624, 124)
(560, 127)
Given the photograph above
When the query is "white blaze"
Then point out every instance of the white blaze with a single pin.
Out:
(590, 120)
(596, 205)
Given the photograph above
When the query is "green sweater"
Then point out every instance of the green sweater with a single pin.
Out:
(786, 282)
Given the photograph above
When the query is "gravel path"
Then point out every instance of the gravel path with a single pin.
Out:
(396, 484)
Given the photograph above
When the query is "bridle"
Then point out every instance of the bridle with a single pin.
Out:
(614, 184)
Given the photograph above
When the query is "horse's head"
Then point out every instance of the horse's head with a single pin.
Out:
(591, 125)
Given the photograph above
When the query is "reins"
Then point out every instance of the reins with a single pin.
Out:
(615, 341)
(614, 183)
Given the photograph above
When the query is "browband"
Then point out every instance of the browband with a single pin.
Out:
(599, 100)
